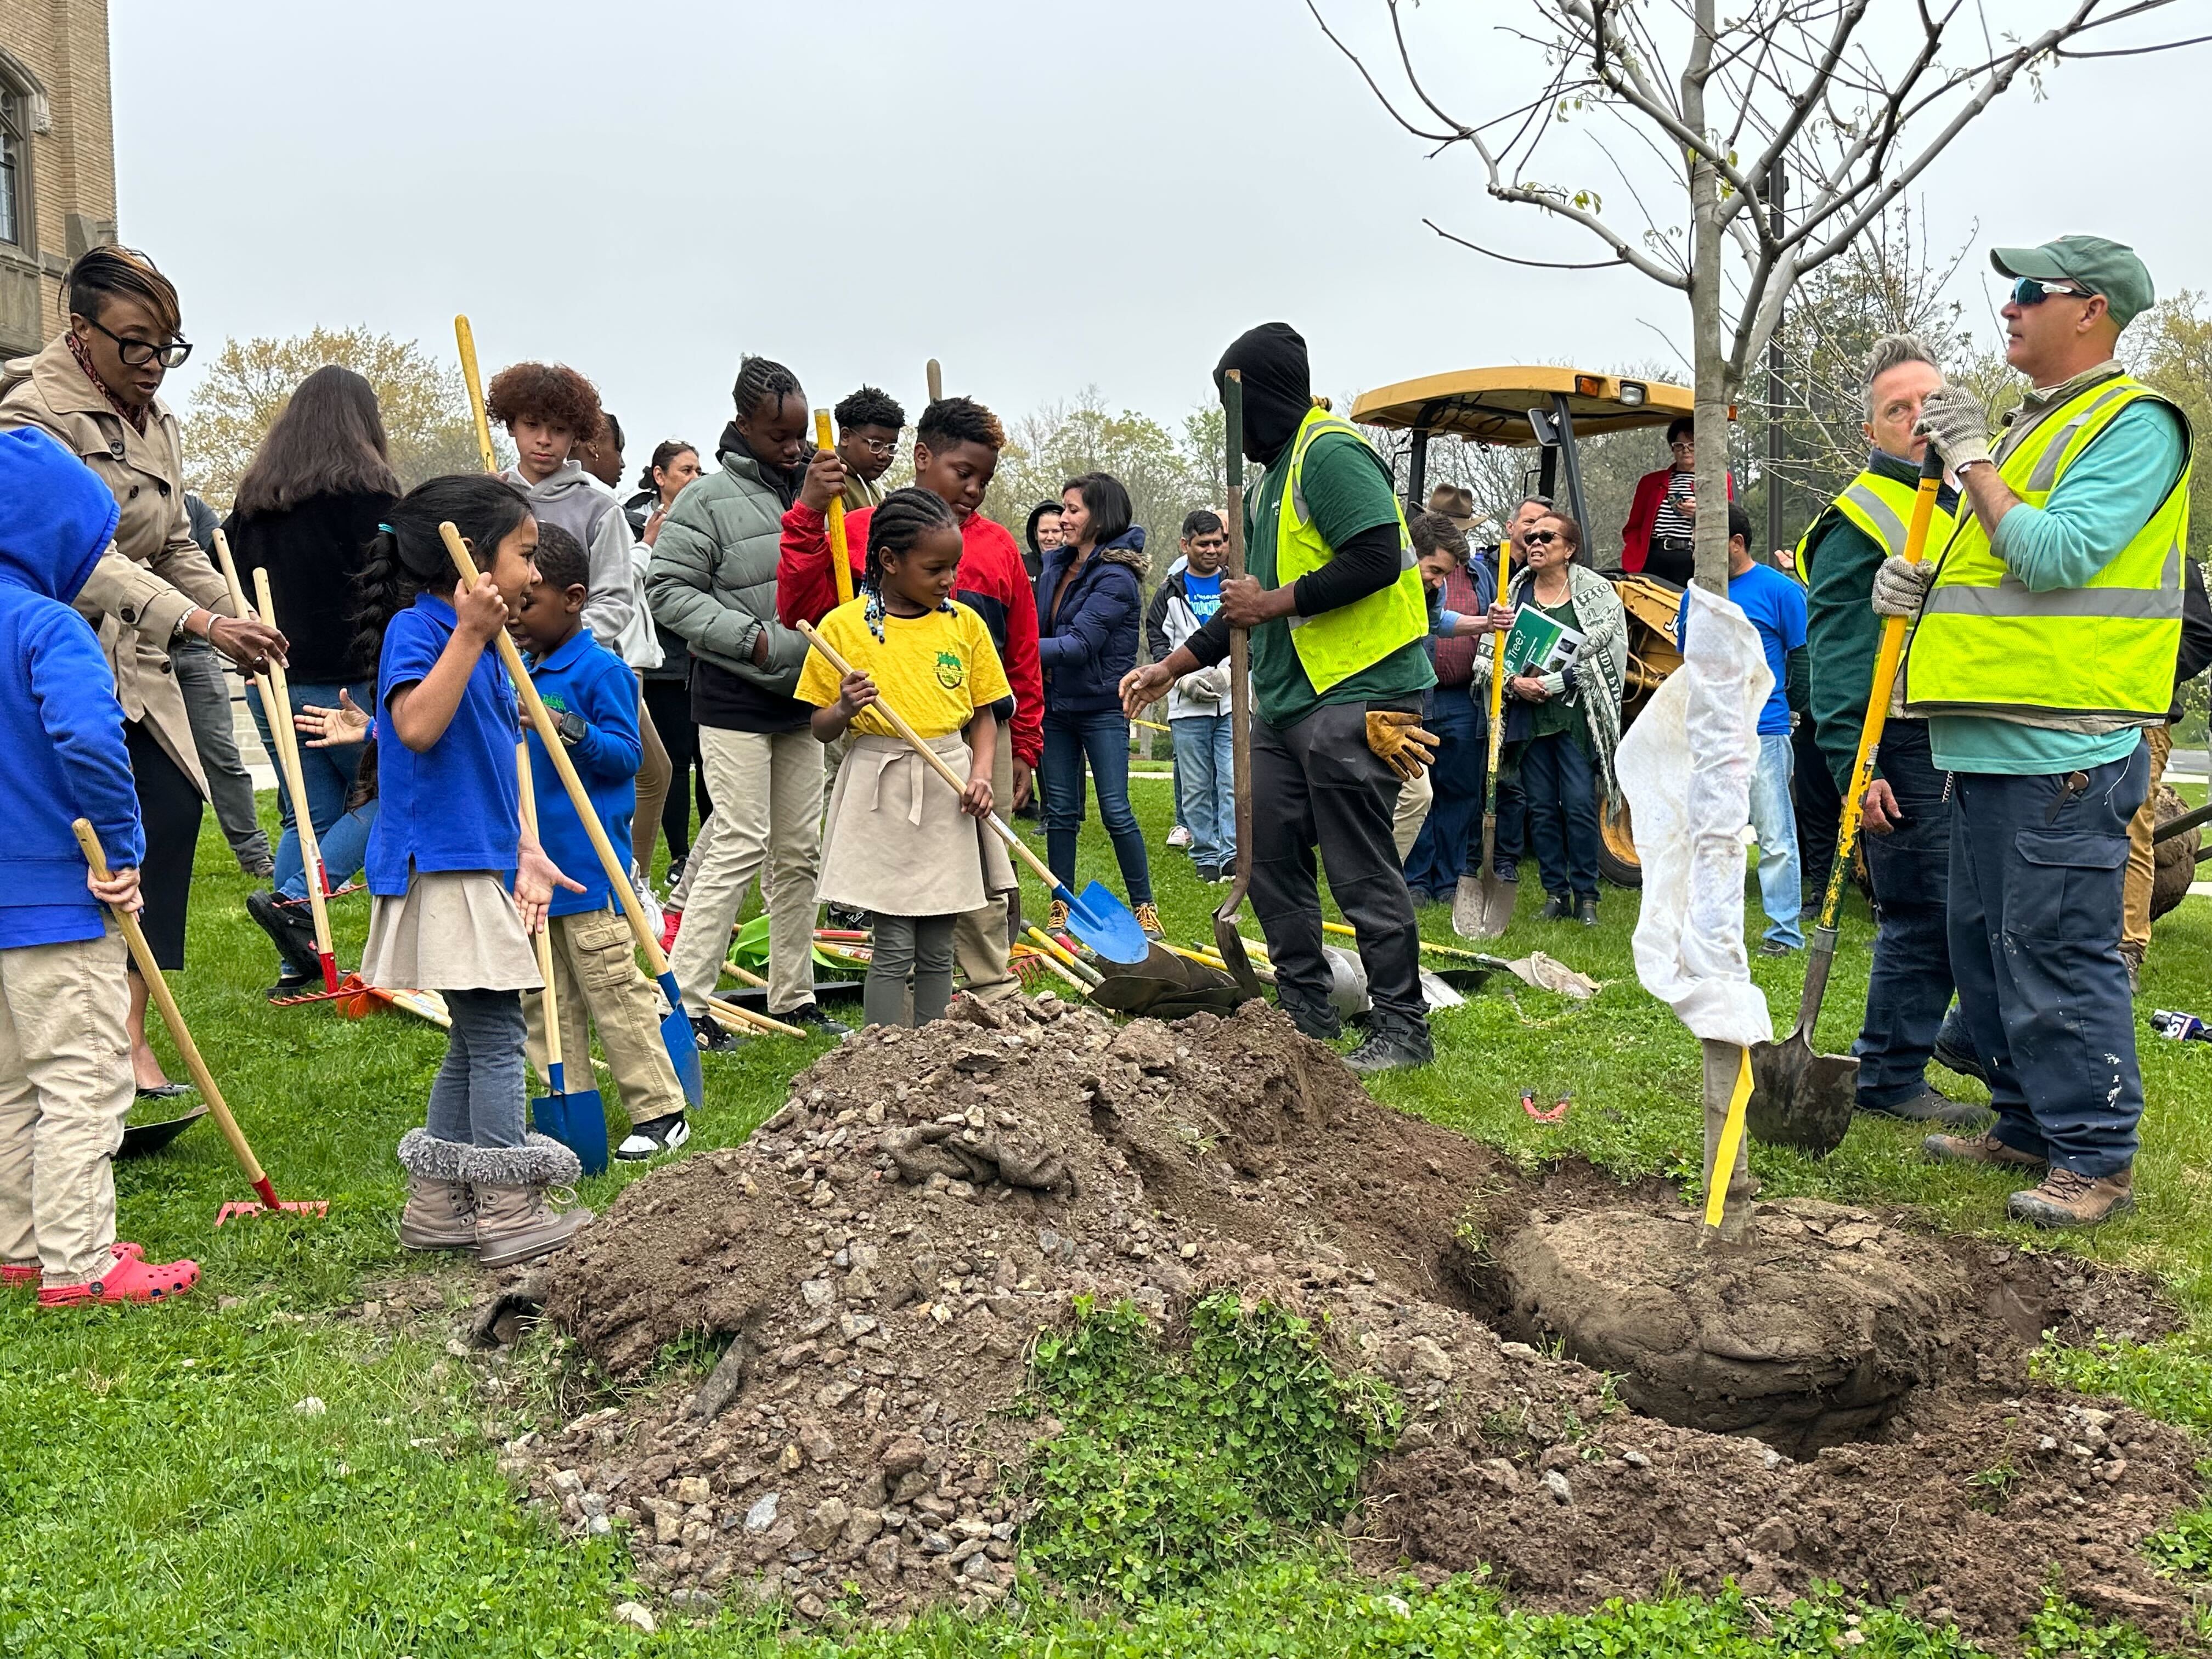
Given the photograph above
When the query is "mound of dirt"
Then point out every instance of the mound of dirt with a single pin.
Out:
(879, 1256)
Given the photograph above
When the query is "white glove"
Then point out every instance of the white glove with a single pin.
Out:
(1954, 420)
(1205, 684)
(1898, 588)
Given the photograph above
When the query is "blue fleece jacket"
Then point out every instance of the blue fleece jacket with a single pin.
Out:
(584, 676)
(1088, 642)
(61, 728)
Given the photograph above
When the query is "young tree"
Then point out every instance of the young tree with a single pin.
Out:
(424, 404)
(1851, 107)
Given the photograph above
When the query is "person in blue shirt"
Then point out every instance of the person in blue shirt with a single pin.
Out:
(65, 1080)
(1198, 707)
(1775, 605)
(456, 884)
(593, 698)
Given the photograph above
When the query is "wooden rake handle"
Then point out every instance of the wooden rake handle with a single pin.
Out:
(465, 338)
(158, 988)
(841, 551)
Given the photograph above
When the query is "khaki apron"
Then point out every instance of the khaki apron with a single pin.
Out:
(897, 840)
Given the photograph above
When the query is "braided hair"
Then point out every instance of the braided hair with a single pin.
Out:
(902, 518)
(408, 556)
(761, 378)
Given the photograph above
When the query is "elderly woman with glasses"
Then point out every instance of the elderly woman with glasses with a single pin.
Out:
(94, 389)
(1659, 538)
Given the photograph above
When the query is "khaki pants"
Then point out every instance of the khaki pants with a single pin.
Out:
(979, 938)
(654, 774)
(596, 981)
(66, 1089)
(767, 822)
(1411, 813)
(2134, 925)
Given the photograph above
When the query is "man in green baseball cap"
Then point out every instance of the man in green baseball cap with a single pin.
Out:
(2044, 646)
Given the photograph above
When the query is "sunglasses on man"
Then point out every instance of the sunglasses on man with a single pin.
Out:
(2031, 291)
(137, 354)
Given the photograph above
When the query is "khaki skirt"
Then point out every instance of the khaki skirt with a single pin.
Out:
(897, 840)
(451, 931)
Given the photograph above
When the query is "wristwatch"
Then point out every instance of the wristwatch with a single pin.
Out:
(183, 630)
(572, 726)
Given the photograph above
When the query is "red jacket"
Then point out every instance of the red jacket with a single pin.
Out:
(1636, 534)
(994, 583)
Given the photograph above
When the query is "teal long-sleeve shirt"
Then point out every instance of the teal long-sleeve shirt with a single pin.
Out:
(2103, 500)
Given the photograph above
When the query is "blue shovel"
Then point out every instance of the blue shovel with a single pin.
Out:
(1101, 920)
(577, 1119)
(676, 1029)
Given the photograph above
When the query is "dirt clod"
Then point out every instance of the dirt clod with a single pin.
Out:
(878, 1257)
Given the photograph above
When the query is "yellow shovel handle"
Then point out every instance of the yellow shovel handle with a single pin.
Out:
(841, 552)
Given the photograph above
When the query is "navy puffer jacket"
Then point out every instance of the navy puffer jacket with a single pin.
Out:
(1090, 642)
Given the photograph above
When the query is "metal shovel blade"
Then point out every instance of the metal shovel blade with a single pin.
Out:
(577, 1118)
(1482, 906)
(1102, 922)
(682, 1043)
(1799, 1098)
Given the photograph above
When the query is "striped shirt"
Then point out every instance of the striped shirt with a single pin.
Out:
(1672, 521)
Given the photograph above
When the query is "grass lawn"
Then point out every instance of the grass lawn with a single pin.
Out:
(258, 1470)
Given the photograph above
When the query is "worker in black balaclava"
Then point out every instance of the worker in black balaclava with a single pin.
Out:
(1336, 614)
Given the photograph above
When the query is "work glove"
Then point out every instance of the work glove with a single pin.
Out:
(1399, 742)
(1954, 420)
(1208, 685)
(1898, 588)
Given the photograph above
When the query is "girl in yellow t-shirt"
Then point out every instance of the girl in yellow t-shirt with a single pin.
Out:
(900, 844)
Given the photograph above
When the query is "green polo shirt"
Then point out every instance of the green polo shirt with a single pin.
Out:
(1348, 490)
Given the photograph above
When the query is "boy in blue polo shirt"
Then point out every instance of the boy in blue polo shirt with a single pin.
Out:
(593, 698)
(66, 1082)
(1776, 607)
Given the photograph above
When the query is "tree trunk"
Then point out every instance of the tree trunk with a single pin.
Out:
(1708, 364)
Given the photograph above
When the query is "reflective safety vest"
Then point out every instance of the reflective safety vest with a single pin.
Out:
(1882, 508)
(1337, 644)
(1985, 644)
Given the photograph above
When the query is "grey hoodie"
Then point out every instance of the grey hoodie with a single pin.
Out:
(587, 509)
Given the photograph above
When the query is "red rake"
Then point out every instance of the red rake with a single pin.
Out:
(158, 988)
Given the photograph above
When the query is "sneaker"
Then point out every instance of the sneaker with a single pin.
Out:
(811, 1014)
(1148, 918)
(259, 867)
(848, 918)
(1508, 870)
(675, 874)
(1586, 913)
(1953, 1052)
(645, 897)
(290, 929)
(1983, 1148)
(1179, 836)
(1389, 1051)
(1775, 947)
(131, 1278)
(291, 982)
(2067, 1199)
(1209, 873)
(1932, 1105)
(654, 1137)
(1555, 908)
(672, 922)
(1055, 915)
(713, 1037)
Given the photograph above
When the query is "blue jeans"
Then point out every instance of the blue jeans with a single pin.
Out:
(329, 775)
(1774, 821)
(2037, 873)
(1909, 986)
(1442, 853)
(1559, 784)
(1102, 736)
(1205, 786)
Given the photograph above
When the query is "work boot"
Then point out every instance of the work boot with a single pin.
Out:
(1586, 913)
(290, 929)
(2132, 957)
(1390, 1051)
(1983, 1148)
(441, 1211)
(1932, 1105)
(1055, 915)
(1955, 1052)
(1148, 919)
(809, 1016)
(2068, 1199)
(515, 1221)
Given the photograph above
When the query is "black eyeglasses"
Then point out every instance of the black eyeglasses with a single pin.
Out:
(2029, 291)
(137, 354)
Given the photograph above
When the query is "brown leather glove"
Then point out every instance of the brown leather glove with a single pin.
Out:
(1398, 740)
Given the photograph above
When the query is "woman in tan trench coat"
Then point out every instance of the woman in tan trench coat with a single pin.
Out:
(94, 389)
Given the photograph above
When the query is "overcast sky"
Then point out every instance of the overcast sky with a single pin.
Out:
(1044, 196)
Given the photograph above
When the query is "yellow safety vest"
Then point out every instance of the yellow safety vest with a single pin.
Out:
(1985, 644)
(1882, 508)
(1337, 644)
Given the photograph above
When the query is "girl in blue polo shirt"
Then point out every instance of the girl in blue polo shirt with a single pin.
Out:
(456, 884)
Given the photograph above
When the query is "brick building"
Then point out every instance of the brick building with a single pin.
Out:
(57, 157)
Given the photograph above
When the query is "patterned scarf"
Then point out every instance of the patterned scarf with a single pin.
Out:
(136, 416)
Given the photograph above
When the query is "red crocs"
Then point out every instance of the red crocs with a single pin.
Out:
(15, 1278)
(132, 1278)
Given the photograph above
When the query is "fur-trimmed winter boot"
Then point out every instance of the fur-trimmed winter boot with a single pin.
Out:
(514, 1221)
(441, 1211)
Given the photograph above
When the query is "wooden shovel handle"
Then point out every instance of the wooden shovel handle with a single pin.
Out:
(278, 700)
(465, 338)
(543, 940)
(898, 723)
